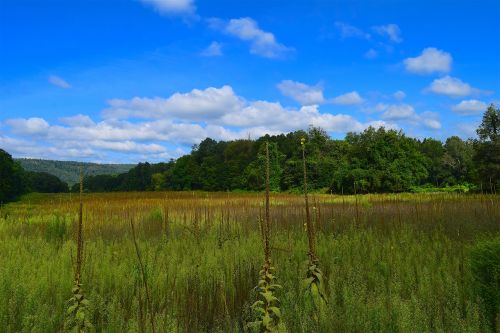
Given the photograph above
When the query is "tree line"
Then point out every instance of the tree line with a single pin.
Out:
(373, 161)
(14, 180)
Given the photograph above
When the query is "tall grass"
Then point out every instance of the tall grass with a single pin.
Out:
(393, 263)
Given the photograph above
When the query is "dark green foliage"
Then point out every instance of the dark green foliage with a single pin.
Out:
(77, 314)
(11, 178)
(485, 267)
(487, 150)
(380, 160)
(44, 183)
(143, 177)
(314, 287)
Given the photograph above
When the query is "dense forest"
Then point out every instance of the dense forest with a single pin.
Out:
(69, 171)
(376, 160)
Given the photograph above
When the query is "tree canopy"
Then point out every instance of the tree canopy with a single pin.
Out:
(375, 160)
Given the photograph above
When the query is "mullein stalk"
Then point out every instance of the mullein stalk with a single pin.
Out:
(266, 308)
(311, 232)
(314, 282)
(77, 314)
(267, 248)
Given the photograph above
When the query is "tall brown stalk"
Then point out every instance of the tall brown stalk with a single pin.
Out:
(267, 247)
(79, 237)
(266, 308)
(311, 232)
(314, 282)
(77, 314)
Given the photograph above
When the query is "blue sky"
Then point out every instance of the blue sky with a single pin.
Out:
(135, 80)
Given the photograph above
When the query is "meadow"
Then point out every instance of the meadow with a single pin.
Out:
(391, 262)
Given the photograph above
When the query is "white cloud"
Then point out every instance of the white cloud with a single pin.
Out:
(128, 146)
(407, 114)
(172, 7)
(470, 107)
(78, 120)
(213, 50)
(430, 120)
(195, 105)
(391, 31)
(399, 95)
(274, 117)
(181, 119)
(430, 61)
(350, 98)
(31, 126)
(399, 112)
(59, 82)
(302, 93)
(262, 43)
(451, 87)
(347, 31)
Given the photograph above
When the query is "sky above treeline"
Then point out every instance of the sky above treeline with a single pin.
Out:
(143, 80)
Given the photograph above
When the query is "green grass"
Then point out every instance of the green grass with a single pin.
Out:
(393, 263)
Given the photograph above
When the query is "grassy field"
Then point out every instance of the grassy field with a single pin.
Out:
(392, 263)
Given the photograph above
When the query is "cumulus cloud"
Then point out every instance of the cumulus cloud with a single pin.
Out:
(430, 120)
(78, 120)
(451, 87)
(278, 119)
(302, 93)
(31, 126)
(470, 107)
(213, 50)
(406, 113)
(172, 7)
(430, 61)
(141, 127)
(399, 112)
(351, 98)
(58, 82)
(194, 105)
(391, 31)
(262, 43)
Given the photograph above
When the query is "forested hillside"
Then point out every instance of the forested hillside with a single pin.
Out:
(69, 171)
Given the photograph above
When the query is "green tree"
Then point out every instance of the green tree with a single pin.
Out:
(158, 181)
(487, 150)
(457, 160)
(380, 160)
(11, 178)
(434, 151)
(44, 182)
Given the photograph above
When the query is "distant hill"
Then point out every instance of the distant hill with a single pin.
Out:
(69, 171)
